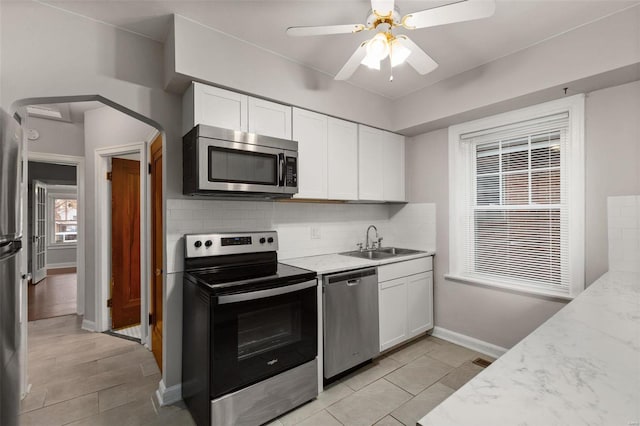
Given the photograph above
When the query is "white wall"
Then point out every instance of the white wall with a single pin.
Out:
(245, 67)
(104, 127)
(57, 137)
(612, 167)
(525, 77)
(624, 233)
(612, 163)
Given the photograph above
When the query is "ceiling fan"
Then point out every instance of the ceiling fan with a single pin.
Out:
(383, 18)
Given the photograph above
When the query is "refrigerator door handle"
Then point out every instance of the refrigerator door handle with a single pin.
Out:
(16, 246)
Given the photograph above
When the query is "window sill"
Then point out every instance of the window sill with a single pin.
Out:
(62, 246)
(511, 287)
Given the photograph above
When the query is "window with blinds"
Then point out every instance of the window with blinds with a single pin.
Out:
(514, 204)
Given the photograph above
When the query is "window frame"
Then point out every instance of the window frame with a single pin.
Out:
(461, 184)
(54, 192)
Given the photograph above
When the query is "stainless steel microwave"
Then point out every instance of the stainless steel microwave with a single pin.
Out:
(226, 162)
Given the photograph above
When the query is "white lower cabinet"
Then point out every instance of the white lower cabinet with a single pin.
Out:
(405, 295)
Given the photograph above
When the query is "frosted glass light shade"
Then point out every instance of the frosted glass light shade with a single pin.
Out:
(399, 53)
(378, 47)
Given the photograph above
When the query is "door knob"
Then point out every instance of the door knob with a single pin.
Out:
(158, 271)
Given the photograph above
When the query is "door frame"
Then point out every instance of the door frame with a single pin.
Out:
(103, 234)
(78, 162)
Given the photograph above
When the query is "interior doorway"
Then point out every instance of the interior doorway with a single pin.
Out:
(52, 235)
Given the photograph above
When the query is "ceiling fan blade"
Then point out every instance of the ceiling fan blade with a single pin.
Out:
(353, 63)
(418, 59)
(383, 7)
(324, 30)
(457, 12)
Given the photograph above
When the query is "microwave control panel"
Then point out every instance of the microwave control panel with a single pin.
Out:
(291, 176)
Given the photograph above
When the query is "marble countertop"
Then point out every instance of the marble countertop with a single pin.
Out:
(581, 367)
(330, 263)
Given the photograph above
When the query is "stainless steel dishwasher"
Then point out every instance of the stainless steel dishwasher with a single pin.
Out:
(350, 316)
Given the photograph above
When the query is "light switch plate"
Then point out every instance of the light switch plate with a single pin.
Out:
(315, 233)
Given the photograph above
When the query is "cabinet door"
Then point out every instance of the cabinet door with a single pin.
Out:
(393, 312)
(370, 163)
(419, 303)
(220, 108)
(310, 130)
(393, 167)
(269, 118)
(342, 160)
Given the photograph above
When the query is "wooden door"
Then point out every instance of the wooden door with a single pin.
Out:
(39, 240)
(156, 250)
(125, 243)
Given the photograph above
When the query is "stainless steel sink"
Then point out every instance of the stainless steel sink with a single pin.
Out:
(381, 253)
(398, 251)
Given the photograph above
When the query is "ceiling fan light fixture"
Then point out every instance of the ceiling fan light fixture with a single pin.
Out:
(399, 53)
(378, 47)
(371, 62)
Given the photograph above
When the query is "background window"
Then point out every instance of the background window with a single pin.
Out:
(64, 223)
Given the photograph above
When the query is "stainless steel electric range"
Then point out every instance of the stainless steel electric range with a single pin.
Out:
(249, 333)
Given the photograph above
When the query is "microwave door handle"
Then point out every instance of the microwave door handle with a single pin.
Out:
(281, 169)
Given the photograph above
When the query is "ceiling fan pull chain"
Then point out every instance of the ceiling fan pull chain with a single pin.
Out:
(390, 62)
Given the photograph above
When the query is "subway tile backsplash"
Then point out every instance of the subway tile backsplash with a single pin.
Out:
(624, 233)
(304, 229)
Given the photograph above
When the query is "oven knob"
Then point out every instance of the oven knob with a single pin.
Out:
(262, 240)
(270, 240)
(208, 243)
(198, 244)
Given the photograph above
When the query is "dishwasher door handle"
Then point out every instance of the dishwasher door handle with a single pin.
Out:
(351, 283)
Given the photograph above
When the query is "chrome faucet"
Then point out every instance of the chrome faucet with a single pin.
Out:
(367, 247)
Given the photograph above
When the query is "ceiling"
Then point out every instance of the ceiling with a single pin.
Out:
(72, 112)
(516, 25)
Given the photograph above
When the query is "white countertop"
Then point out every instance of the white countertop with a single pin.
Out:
(330, 263)
(581, 367)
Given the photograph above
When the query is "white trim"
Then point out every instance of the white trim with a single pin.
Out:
(62, 265)
(103, 234)
(78, 162)
(468, 342)
(507, 286)
(460, 174)
(168, 395)
(88, 325)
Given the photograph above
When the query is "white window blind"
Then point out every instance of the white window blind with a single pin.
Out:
(514, 204)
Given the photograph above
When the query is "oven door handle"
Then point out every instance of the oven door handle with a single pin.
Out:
(261, 294)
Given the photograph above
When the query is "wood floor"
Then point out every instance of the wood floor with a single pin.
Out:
(53, 296)
(92, 379)
(84, 378)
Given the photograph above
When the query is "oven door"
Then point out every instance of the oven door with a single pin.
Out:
(259, 334)
(240, 167)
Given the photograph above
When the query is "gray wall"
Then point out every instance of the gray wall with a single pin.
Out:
(612, 168)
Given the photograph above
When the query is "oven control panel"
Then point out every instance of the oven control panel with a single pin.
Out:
(222, 243)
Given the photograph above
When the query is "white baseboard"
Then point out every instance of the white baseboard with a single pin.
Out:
(88, 325)
(168, 395)
(61, 265)
(472, 343)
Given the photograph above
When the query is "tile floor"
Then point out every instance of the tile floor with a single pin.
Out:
(83, 378)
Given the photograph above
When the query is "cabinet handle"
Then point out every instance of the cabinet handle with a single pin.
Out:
(351, 283)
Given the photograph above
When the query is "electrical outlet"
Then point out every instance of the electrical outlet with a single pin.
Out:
(315, 233)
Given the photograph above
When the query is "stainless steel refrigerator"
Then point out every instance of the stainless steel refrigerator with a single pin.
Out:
(10, 280)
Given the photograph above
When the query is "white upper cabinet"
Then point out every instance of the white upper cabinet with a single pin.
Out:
(381, 165)
(342, 161)
(393, 167)
(310, 130)
(370, 162)
(202, 104)
(269, 118)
